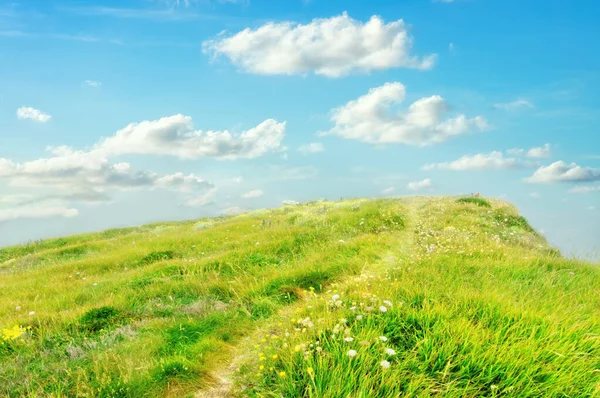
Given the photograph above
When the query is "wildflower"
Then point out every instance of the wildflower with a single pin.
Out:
(383, 338)
(261, 367)
(310, 370)
(335, 297)
(390, 351)
(352, 353)
(274, 356)
(383, 308)
(282, 374)
(348, 339)
(388, 303)
(385, 364)
(32, 313)
(353, 308)
(18, 308)
(359, 317)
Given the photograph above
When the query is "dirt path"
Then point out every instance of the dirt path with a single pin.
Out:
(223, 387)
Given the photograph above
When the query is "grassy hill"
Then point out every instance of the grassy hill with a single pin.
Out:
(360, 298)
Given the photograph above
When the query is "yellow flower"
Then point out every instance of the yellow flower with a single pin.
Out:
(310, 370)
(261, 367)
(282, 374)
(274, 356)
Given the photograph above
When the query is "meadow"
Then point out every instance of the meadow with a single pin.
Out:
(411, 297)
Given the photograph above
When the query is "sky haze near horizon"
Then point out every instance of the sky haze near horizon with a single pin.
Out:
(117, 113)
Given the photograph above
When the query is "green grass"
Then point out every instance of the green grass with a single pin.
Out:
(476, 304)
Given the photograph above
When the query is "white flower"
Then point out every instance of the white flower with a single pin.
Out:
(385, 364)
(383, 308)
(382, 338)
(95, 284)
(335, 297)
(352, 353)
(353, 308)
(359, 317)
(348, 339)
(390, 351)
(32, 313)
(18, 308)
(388, 303)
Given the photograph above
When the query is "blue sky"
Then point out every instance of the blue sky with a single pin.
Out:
(116, 113)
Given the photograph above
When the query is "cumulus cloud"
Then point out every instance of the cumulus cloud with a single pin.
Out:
(370, 119)
(35, 211)
(26, 112)
(514, 105)
(562, 171)
(86, 176)
(256, 193)
(313, 147)
(331, 47)
(422, 185)
(540, 152)
(482, 161)
(176, 136)
(516, 151)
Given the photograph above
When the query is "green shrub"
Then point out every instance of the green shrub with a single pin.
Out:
(97, 319)
(476, 201)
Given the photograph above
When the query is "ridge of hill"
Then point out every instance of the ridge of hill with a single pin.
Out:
(358, 298)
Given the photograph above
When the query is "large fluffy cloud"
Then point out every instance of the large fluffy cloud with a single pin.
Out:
(562, 171)
(482, 161)
(371, 119)
(331, 47)
(176, 136)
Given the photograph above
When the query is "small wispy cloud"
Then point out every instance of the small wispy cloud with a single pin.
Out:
(425, 184)
(26, 112)
(256, 193)
(313, 147)
(92, 83)
(514, 105)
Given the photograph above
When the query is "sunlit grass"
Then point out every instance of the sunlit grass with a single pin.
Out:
(411, 297)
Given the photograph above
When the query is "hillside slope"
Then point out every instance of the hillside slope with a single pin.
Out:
(359, 298)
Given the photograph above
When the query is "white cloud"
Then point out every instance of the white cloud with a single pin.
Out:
(516, 151)
(561, 171)
(36, 115)
(290, 203)
(332, 47)
(92, 83)
(202, 200)
(256, 193)
(35, 211)
(515, 105)
(87, 176)
(176, 136)
(425, 184)
(482, 161)
(313, 147)
(369, 119)
(540, 152)
(387, 191)
(585, 189)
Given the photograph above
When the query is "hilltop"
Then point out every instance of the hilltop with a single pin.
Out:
(359, 298)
